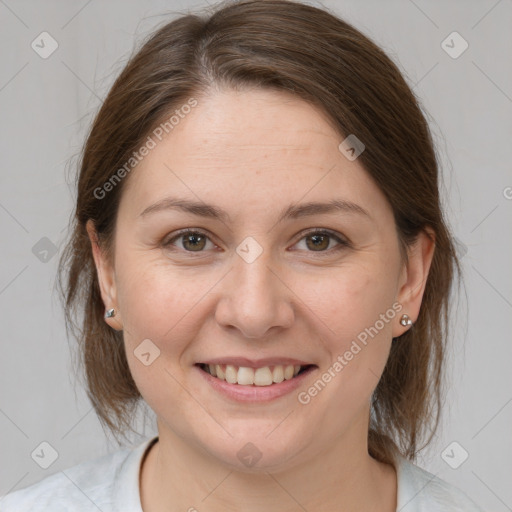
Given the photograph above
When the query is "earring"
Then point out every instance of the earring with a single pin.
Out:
(110, 313)
(405, 320)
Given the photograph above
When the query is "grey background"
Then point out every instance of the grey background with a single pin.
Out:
(46, 106)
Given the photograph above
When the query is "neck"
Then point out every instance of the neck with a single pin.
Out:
(178, 476)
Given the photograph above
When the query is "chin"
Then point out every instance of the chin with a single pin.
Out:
(257, 448)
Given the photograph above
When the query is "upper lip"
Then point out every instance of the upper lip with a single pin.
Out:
(255, 363)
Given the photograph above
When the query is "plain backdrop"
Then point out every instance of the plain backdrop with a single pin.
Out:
(47, 105)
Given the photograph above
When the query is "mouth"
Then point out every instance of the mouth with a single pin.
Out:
(255, 377)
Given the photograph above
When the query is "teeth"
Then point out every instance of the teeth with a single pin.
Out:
(246, 376)
(278, 374)
(231, 374)
(262, 376)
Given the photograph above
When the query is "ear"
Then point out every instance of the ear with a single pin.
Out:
(414, 278)
(106, 278)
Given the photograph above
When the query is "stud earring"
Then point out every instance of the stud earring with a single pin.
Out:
(405, 320)
(110, 313)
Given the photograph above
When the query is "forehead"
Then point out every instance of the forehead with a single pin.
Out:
(257, 146)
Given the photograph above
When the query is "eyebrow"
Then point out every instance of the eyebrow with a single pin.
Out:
(294, 211)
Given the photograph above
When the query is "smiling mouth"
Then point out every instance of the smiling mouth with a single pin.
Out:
(246, 376)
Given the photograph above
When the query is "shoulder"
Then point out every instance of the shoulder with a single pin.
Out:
(91, 485)
(80, 487)
(421, 491)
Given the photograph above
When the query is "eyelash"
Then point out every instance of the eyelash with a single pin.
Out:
(342, 243)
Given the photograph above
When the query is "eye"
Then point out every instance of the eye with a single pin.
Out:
(192, 240)
(319, 240)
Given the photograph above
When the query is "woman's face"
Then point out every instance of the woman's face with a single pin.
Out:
(255, 288)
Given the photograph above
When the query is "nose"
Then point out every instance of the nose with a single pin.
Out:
(255, 299)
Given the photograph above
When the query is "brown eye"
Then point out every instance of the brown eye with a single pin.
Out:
(320, 240)
(194, 241)
(191, 241)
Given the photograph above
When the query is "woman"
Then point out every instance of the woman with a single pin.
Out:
(259, 253)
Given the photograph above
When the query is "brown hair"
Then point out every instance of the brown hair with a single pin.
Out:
(311, 53)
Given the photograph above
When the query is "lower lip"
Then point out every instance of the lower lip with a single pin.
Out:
(241, 393)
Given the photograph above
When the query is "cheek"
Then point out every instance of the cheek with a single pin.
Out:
(158, 311)
(153, 299)
(349, 299)
(355, 310)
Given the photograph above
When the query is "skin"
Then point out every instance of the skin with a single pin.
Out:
(253, 153)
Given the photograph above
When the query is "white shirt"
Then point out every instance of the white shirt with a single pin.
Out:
(111, 484)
